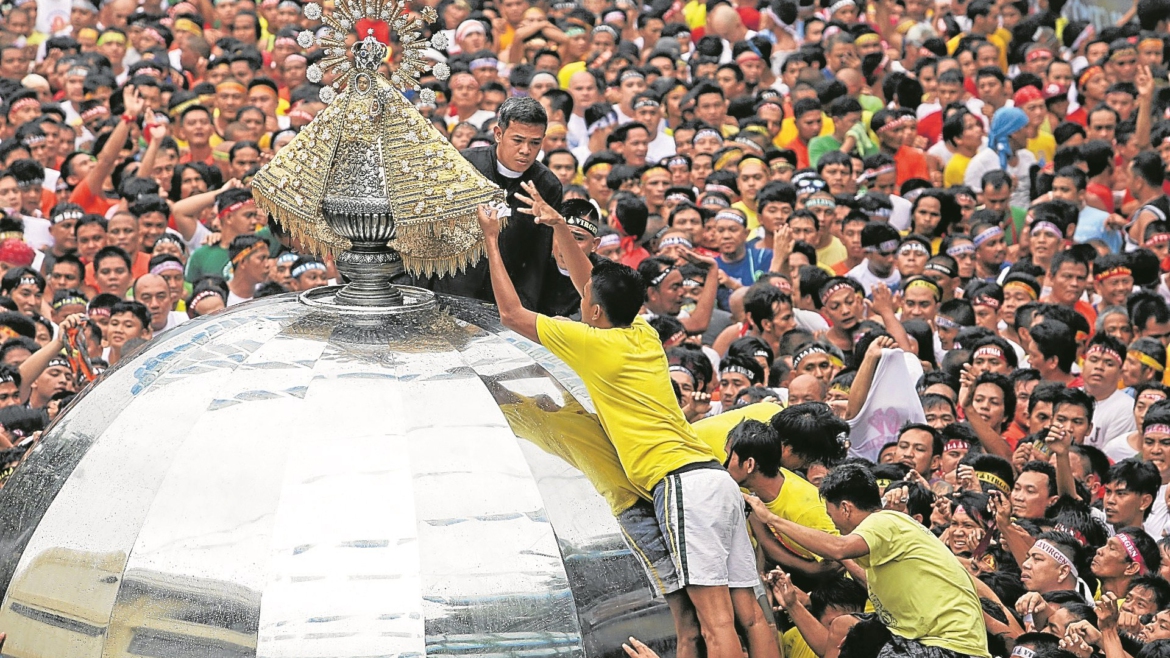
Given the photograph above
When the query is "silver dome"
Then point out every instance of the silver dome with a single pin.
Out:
(287, 479)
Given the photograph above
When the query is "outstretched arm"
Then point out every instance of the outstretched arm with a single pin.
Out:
(821, 543)
(108, 156)
(580, 268)
(512, 312)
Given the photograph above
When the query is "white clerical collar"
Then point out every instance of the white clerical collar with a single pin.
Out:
(507, 173)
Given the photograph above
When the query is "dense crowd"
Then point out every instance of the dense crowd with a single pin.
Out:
(904, 264)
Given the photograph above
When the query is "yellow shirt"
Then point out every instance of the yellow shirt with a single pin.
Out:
(575, 435)
(626, 373)
(753, 219)
(917, 586)
(956, 170)
(800, 502)
(795, 646)
(713, 431)
(1043, 146)
(832, 254)
(996, 39)
(788, 130)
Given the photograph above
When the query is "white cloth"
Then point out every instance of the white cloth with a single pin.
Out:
(36, 232)
(1112, 417)
(900, 215)
(810, 320)
(1119, 449)
(1158, 522)
(868, 280)
(892, 402)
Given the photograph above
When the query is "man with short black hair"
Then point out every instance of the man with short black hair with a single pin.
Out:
(921, 592)
(1130, 487)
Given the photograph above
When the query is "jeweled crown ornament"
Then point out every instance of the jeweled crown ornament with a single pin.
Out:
(370, 180)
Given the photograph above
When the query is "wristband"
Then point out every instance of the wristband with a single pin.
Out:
(128, 118)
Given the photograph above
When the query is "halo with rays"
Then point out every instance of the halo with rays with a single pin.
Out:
(372, 19)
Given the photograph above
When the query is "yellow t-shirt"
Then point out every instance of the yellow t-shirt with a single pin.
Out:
(713, 431)
(753, 219)
(800, 502)
(832, 254)
(996, 39)
(575, 435)
(917, 586)
(626, 373)
(1043, 146)
(956, 170)
(795, 646)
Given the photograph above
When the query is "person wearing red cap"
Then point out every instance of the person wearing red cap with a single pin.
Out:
(1031, 101)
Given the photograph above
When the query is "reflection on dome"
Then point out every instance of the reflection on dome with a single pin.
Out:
(285, 480)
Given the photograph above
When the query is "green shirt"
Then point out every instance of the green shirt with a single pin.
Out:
(212, 259)
(918, 587)
(819, 146)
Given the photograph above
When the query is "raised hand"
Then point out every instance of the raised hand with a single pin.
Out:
(489, 221)
(538, 207)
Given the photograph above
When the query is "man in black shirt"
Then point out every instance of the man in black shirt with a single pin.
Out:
(526, 247)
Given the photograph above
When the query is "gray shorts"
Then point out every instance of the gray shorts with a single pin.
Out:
(701, 516)
(640, 529)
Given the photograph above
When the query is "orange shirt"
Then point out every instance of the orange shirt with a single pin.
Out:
(96, 204)
(911, 163)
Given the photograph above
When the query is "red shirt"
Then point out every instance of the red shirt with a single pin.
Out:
(801, 150)
(1103, 193)
(930, 126)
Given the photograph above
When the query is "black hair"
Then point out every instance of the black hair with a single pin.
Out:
(521, 109)
(137, 309)
(813, 432)
(1055, 338)
(752, 439)
(618, 290)
(1138, 476)
(854, 484)
(1037, 466)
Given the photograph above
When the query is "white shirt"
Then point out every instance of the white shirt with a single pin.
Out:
(174, 319)
(1112, 417)
(661, 148)
(1119, 449)
(233, 299)
(988, 160)
(1159, 519)
(476, 119)
(891, 403)
(868, 280)
(577, 131)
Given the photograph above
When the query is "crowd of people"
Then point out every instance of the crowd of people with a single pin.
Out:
(895, 269)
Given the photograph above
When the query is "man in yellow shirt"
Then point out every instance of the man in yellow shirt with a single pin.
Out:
(620, 359)
(753, 460)
(920, 591)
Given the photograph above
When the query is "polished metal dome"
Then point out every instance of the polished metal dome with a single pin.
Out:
(294, 478)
